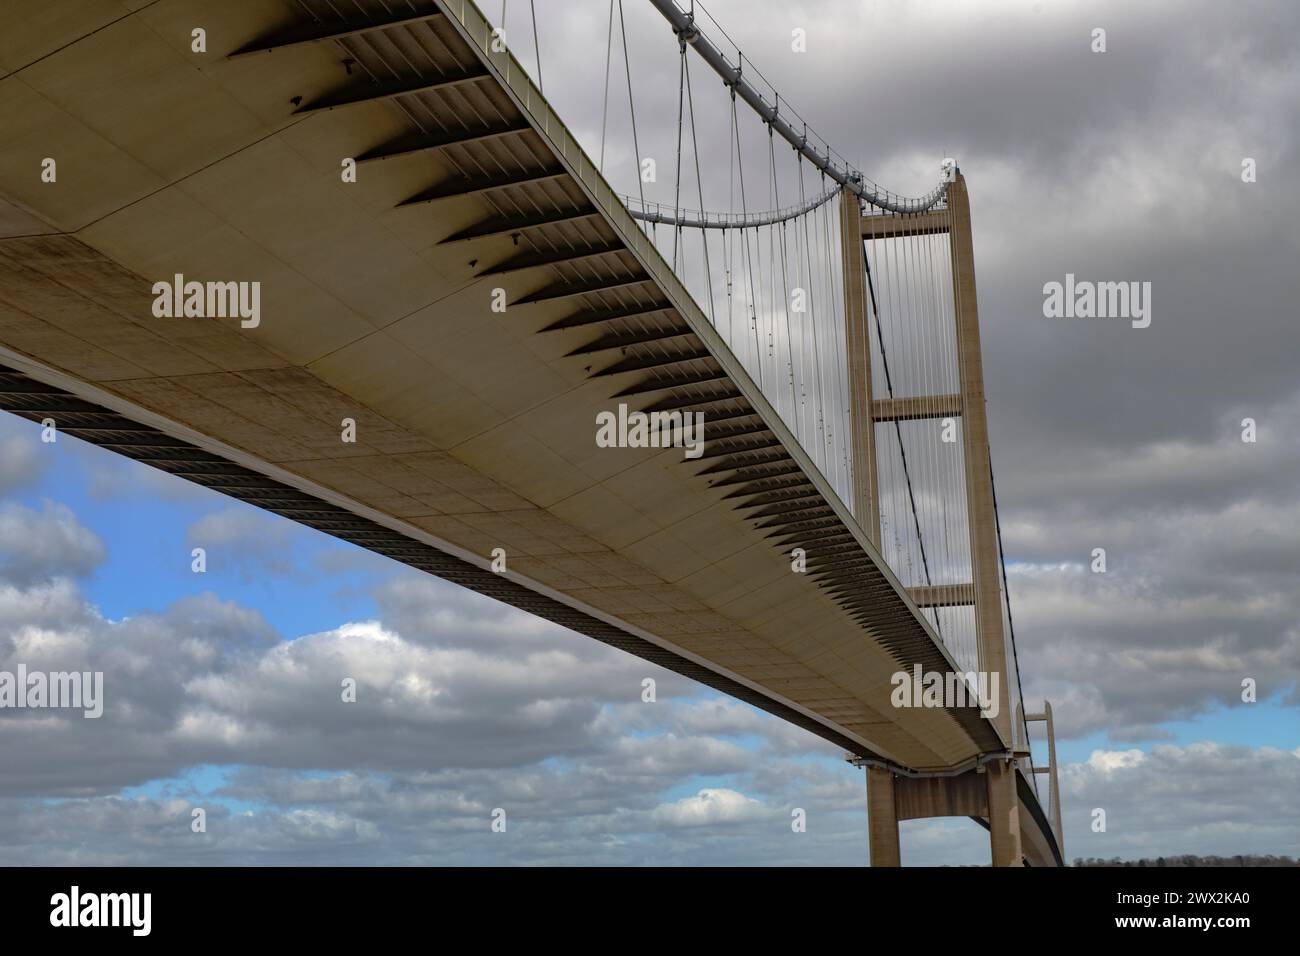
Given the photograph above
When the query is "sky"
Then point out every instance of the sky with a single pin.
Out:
(224, 687)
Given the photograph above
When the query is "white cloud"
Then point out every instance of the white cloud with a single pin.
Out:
(1106, 761)
(708, 808)
(37, 545)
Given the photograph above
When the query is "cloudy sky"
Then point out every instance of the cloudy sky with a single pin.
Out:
(1123, 165)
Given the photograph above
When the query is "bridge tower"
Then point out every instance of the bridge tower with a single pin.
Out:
(986, 792)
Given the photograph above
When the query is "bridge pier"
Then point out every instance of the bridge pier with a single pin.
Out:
(882, 818)
(1004, 813)
(987, 794)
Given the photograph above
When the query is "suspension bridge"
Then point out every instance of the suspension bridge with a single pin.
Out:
(448, 290)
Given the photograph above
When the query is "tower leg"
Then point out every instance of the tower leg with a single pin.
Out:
(1004, 813)
(882, 818)
(857, 338)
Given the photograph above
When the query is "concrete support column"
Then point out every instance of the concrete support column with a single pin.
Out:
(882, 818)
(1004, 813)
(857, 336)
(1056, 780)
(985, 569)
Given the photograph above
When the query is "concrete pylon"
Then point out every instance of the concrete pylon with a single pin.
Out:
(857, 338)
(882, 818)
(986, 571)
(1004, 804)
(889, 797)
(1004, 813)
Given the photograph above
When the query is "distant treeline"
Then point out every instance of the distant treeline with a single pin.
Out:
(1188, 859)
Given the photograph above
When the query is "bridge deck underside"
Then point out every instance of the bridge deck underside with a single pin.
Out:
(475, 429)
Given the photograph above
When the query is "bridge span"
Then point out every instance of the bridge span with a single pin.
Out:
(467, 305)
